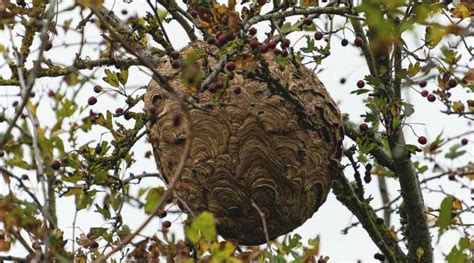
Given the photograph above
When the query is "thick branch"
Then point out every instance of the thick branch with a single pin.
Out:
(379, 233)
(418, 232)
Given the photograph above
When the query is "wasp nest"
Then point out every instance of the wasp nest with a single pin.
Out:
(267, 143)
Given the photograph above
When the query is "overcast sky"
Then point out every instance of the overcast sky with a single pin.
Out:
(332, 217)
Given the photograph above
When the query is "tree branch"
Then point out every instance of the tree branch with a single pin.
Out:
(379, 233)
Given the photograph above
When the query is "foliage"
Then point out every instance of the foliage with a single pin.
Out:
(42, 162)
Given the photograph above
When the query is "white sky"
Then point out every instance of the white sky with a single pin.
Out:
(332, 217)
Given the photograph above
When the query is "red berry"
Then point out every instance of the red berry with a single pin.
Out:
(55, 165)
(222, 39)
(321, 260)
(318, 35)
(424, 93)
(308, 21)
(212, 87)
(276, 51)
(360, 84)
(272, 44)
(166, 224)
(252, 31)
(119, 111)
(285, 43)
(51, 93)
(358, 42)
(464, 141)
(284, 53)
(363, 126)
(253, 43)
(194, 13)
(422, 83)
(422, 140)
(431, 98)
(264, 48)
(92, 100)
(230, 66)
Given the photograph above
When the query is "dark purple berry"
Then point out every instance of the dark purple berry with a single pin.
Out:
(344, 42)
(174, 55)
(358, 42)
(431, 98)
(318, 35)
(230, 66)
(176, 64)
(92, 100)
(363, 126)
(55, 165)
(252, 31)
(422, 140)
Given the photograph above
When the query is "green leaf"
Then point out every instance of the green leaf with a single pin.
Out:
(203, 225)
(111, 78)
(408, 109)
(123, 76)
(309, 45)
(72, 78)
(288, 27)
(454, 152)
(414, 69)
(292, 243)
(103, 211)
(396, 122)
(152, 199)
(464, 243)
(456, 256)
(360, 91)
(96, 232)
(66, 108)
(444, 219)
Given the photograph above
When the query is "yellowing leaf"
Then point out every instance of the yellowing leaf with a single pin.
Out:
(307, 3)
(469, 77)
(457, 205)
(461, 11)
(203, 225)
(91, 3)
(458, 107)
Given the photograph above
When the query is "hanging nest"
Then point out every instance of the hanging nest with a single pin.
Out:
(266, 144)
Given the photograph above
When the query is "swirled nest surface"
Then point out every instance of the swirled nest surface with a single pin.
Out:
(252, 146)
